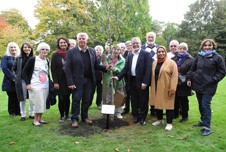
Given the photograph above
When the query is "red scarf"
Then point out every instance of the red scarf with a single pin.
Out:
(62, 53)
(161, 60)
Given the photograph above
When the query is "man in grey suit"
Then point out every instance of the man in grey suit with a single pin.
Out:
(80, 67)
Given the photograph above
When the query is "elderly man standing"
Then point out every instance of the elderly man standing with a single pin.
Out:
(150, 45)
(173, 46)
(80, 64)
(138, 67)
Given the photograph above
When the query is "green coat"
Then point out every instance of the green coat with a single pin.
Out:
(117, 69)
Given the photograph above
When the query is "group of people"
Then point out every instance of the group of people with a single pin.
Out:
(130, 68)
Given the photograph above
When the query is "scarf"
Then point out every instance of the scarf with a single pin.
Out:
(208, 53)
(182, 58)
(62, 53)
(161, 60)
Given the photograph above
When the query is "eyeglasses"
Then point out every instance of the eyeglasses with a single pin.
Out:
(173, 46)
(135, 43)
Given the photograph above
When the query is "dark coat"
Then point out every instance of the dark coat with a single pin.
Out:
(206, 72)
(8, 83)
(183, 89)
(58, 74)
(143, 68)
(74, 66)
(18, 79)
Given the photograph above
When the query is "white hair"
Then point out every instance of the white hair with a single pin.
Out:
(100, 47)
(83, 34)
(151, 33)
(8, 49)
(183, 45)
(43, 45)
(121, 45)
(127, 42)
(174, 41)
(135, 38)
(72, 41)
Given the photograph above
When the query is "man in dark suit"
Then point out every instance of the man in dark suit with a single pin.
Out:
(138, 66)
(80, 72)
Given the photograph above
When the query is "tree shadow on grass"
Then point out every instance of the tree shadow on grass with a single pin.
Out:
(98, 127)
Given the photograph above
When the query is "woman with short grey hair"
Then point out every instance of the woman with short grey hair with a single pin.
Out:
(184, 61)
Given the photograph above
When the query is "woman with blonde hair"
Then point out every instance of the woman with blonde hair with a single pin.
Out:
(8, 83)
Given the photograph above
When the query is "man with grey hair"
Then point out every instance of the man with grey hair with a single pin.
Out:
(80, 64)
(138, 68)
(150, 45)
(173, 46)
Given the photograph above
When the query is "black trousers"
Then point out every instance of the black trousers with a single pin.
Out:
(13, 103)
(84, 93)
(181, 104)
(139, 100)
(128, 97)
(169, 115)
(64, 105)
(99, 93)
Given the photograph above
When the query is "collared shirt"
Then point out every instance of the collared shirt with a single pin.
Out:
(80, 49)
(134, 63)
(170, 55)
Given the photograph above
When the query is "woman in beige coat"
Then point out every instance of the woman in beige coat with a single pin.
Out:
(163, 87)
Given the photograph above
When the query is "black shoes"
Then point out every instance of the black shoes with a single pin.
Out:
(31, 117)
(135, 120)
(200, 124)
(183, 119)
(142, 122)
(22, 118)
(125, 112)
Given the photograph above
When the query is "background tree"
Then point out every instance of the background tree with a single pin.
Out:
(195, 26)
(13, 27)
(103, 20)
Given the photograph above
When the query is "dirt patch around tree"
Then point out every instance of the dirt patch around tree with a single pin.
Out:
(98, 126)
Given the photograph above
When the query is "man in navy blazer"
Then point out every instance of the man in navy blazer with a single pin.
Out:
(80, 67)
(138, 66)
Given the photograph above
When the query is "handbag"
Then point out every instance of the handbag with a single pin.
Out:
(181, 79)
(51, 99)
(119, 97)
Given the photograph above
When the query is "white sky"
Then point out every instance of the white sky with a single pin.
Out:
(162, 10)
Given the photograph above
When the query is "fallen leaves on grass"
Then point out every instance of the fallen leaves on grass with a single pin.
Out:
(128, 150)
(170, 136)
(116, 150)
(12, 143)
(77, 142)
(185, 137)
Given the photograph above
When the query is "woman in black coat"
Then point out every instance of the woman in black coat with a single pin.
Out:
(184, 62)
(59, 77)
(8, 83)
(21, 90)
(208, 69)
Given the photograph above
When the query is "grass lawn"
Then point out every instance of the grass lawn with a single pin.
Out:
(22, 136)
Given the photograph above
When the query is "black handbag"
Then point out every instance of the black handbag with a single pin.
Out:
(51, 99)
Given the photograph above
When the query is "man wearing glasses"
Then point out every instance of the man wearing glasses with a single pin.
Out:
(173, 46)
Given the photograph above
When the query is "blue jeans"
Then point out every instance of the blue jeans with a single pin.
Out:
(205, 109)
(83, 93)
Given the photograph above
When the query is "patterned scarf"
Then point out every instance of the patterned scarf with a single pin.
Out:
(208, 53)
